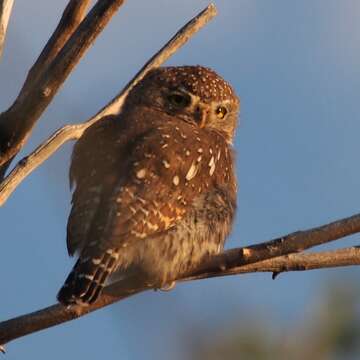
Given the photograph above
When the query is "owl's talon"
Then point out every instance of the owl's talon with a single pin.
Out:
(169, 286)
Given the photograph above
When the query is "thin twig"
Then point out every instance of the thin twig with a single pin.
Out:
(5, 12)
(17, 122)
(72, 132)
(272, 256)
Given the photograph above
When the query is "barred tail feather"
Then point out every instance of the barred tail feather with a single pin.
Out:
(86, 281)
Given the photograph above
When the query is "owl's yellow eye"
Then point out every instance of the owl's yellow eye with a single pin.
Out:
(221, 112)
(179, 100)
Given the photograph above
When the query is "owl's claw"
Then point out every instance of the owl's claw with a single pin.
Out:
(169, 286)
(2, 349)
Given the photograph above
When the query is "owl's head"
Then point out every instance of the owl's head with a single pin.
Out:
(194, 94)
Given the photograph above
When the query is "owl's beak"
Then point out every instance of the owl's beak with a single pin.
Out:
(201, 114)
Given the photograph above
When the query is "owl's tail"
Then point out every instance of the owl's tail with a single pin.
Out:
(86, 281)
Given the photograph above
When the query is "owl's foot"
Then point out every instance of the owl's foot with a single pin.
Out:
(168, 286)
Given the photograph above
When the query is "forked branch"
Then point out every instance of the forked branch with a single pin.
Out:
(63, 51)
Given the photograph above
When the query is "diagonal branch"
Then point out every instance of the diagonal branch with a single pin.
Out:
(17, 122)
(72, 132)
(301, 262)
(70, 20)
(5, 12)
(274, 256)
(291, 243)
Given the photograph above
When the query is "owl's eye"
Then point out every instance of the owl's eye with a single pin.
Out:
(221, 112)
(179, 100)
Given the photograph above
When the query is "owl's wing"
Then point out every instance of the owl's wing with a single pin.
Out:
(159, 178)
(90, 164)
(84, 206)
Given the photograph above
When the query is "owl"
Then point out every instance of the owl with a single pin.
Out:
(155, 186)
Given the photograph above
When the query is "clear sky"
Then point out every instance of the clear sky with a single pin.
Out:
(295, 66)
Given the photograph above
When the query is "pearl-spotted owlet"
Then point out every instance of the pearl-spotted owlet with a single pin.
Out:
(155, 185)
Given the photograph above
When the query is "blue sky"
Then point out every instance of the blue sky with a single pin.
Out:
(295, 66)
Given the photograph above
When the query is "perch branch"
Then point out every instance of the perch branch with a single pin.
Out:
(5, 12)
(291, 243)
(72, 132)
(274, 256)
(300, 262)
(17, 122)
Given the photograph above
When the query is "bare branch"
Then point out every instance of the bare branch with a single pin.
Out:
(291, 243)
(300, 262)
(72, 132)
(16, 123)
(56, 314)
(272, 256)
(5, 12)
(36, 158)
(70, 20)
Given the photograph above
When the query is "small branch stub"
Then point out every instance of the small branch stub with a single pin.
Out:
(47, 91)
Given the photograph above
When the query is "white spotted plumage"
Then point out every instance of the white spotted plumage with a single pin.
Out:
(155, 186)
